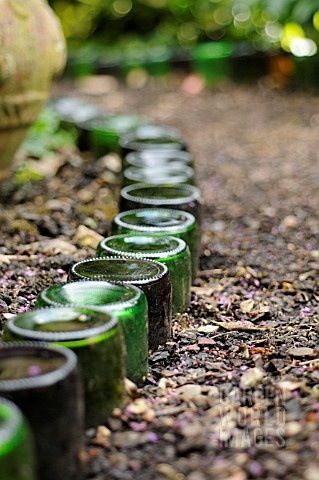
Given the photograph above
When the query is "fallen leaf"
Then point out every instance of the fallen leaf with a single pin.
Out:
(206, 341)
(301, 352)
(189, 391)
(86, 237)
(207, 328)
(130, 388)
(138, 407)
(205, 291)
(247, 305)
(246, 326)
(56, 246)
(102, 436)
(251, 377)
(6, 259)
(289, 386)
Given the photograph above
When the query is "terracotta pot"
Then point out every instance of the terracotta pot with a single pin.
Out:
(32, 51)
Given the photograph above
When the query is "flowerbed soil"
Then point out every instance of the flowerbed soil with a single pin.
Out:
(235, 394)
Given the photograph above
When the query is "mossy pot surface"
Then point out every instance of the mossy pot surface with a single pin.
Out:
(32, 51)
(126, 302)
(150, 276)
(16, 445)
(171, 251)
(161, 222)
(44, 382)
(96, 339)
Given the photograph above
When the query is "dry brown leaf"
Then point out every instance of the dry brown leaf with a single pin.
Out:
(245, 326)
(247, 305)
(251, 377)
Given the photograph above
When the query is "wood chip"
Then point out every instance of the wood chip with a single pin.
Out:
(301, 352)
(252, 377)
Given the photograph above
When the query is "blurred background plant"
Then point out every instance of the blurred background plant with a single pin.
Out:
(213, 41)
(127, 25)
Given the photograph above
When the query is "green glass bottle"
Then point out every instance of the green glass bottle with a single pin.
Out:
(248, 63)
(105, 133)
(75, 115)
(180, 197)
(16, 446)
(158, 159)
(151, 277)
(212, 60)
(133, 60)
(95, 337)
(82, 64)
(173, 174)
(152, 137)
(73, 111)
(127, 303)
(161, 222)
(157, 61)
(171, 251)
(43, 381)
(307, 70)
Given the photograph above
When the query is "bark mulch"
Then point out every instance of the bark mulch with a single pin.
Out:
(234, 395)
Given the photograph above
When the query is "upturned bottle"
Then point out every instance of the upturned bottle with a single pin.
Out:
(173, 174)
(152, 137)
(161, 222)
(95, 337)
(158, 158)
(151, 277)
(17, 460)
(171, 251)
(179, 197)
(43, 381)
(126, 302)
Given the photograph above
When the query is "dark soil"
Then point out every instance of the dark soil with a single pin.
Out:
(235, 394)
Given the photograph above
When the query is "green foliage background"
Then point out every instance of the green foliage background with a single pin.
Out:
(185, 22)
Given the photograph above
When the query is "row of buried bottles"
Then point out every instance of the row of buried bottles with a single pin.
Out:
(114, 308)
